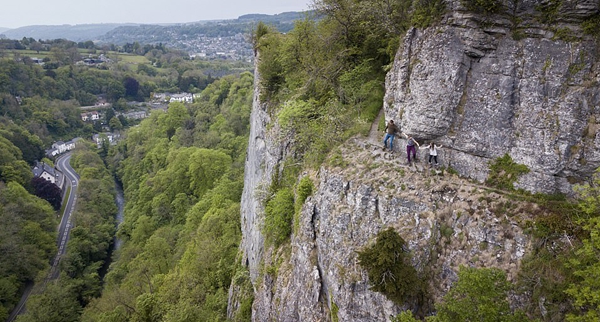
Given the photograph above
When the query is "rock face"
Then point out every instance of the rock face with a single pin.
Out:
(468, 84)
(480, 86)
(263, 157)
(446, 222)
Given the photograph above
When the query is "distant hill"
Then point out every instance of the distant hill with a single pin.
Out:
(77, 33)
(284, 17)
(168, 34)
(152, 33)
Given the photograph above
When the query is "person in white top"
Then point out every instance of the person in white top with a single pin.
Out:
(432, 151)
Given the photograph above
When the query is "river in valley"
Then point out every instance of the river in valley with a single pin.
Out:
(120, 201)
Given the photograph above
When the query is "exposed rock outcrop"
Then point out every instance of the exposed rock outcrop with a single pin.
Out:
(471, 86)
(446, 221)
(264, 155)
(481, 86)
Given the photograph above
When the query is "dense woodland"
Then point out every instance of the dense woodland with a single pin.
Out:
(41, 104)
(182, 174)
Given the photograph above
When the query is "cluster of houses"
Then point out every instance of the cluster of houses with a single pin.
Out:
(173, 97)
(53, 175)
(90, 116)
(92, 60)
(111, 138)
(135, 115)
(49, 173)
(61, 147)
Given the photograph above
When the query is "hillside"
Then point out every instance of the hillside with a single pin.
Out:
(194, 37)
(511, 91)
(270, 198)
(78, 33)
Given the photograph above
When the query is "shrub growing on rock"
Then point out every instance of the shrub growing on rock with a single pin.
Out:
(388, 266)
(278, 217)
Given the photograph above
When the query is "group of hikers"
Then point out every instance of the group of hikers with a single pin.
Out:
(392, 129)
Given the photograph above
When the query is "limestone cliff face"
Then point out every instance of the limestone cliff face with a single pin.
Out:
(468, 84)
(263, 157)
(446, 221)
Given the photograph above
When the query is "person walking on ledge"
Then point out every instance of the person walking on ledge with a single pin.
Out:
(433, 151)
(390, 132)
(410, 147)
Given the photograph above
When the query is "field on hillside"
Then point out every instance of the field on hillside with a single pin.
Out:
(121, 57)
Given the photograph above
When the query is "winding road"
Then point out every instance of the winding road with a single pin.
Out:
(71, 181)
(64, 229)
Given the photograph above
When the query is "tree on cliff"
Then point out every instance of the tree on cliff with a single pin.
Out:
(389, 269)
(480, 294)
(585, 291)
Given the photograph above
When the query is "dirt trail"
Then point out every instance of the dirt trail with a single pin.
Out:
(374, 134)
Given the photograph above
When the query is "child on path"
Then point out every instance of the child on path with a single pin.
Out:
(390, 132)
(433, 151)
(410, 146)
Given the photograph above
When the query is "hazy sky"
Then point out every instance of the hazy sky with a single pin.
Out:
(19, 13)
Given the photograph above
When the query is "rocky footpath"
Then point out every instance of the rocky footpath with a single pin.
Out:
(447, 221)
(484, 86)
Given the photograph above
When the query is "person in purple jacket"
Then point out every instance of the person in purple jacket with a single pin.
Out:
(411, 146)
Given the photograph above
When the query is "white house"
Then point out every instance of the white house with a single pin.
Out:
(63, 147)
(93, 115)
(135, 115)
(182, 97)
(107, 136)
(45, 172)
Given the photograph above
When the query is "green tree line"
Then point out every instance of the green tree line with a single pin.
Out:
(182, 173)
(92, 232)
(39, 105)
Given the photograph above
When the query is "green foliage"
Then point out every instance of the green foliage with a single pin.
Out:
(591, 26)
(270, 67)
(585, 262)
(334, 312)
(324, 78)
(480, 294)
(504, 172)
(545, 277)
(427, 12)
(549, 10)
(259, 32)
(389, 269)
(58, 303)
(564, 34)
(304, 190)
(27, 240)
(182, 173)
(12, 166)
(241, 281)
(452, 171)
(88, 245)
(279, 212)
(31, 145)
(405, 316)
(483, 6)
(589, 196)
(585, 291)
